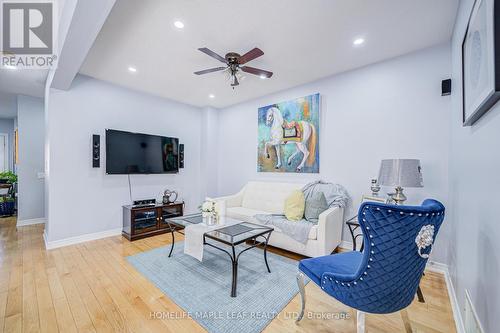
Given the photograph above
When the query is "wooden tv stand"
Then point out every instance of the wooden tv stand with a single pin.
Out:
(146, 221)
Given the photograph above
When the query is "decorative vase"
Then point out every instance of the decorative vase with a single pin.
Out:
(209, 219)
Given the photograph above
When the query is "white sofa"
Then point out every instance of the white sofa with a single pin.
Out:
(269, 198)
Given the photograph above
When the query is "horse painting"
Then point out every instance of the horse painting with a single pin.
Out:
(289, 144)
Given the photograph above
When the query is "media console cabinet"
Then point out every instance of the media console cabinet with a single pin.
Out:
(146, 221)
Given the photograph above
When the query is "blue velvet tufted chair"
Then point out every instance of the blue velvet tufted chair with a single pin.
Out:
(385, 277)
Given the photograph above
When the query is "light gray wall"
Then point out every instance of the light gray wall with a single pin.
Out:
(7, 127)
(31, 131)
(474, 195)
(393, 109)
(84, 200)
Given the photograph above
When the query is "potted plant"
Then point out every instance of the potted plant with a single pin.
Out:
(7, 206)
(8, 177)
(7, 201)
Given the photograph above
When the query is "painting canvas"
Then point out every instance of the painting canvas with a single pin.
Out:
(480, 52)
(288, 136)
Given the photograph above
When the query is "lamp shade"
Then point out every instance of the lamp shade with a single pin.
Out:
(401, 172)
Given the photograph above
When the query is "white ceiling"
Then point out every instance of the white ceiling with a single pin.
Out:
(23, 81)
(302, 41)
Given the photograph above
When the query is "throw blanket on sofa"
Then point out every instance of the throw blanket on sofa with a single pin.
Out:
(336, 196)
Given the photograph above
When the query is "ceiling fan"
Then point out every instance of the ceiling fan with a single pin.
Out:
(234, 63)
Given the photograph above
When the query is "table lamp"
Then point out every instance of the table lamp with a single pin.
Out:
(400, 173)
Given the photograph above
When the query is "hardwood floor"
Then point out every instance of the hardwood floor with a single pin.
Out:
(90, 287)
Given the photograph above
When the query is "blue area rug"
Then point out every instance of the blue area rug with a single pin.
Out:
(203, 289)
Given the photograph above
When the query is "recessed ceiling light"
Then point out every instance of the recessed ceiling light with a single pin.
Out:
(358, 41)
(132, 69)
(9, 67)
(211, 96)
(179, 24)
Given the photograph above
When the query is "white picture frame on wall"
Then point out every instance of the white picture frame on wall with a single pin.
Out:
(481, 61)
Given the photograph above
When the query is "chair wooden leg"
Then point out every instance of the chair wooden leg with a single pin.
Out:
(406, 321)
(420, 295)
(360, 322)
(302, 290)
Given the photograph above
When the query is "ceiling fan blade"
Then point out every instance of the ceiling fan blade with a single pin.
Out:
(257, 71)
(212, 54)
(250, 55)
(216, 69)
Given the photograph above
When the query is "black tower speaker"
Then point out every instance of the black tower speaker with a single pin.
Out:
(96, 151)
(181, 156)
(446, 87)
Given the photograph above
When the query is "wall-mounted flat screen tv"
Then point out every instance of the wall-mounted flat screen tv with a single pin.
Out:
(137, 153)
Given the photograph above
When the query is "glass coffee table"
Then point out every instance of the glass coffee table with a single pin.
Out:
(232, 235)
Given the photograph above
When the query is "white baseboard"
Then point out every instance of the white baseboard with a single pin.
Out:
(49, 245)
(40, 220)
(441, 268)
(457, 314)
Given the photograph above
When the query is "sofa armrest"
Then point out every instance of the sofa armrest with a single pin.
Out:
(330, 229)
(234, 200)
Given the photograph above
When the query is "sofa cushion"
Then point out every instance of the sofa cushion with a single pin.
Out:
(315, 205)
(268, 197)
(247, 215)
(243, 214)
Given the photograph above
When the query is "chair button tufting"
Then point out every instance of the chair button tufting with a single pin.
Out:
(367, 228)
(364, 220)
(336, 281)
(365, 273)
(401, 213)
(411, 214)
(361, 278)
(419, 214)
(371, 259)
(368, 266)
(389, 211)
(331, 279)
(343, 284)
(348, 284)
(378, 208)
(371, 236)
(355, 283)
(373, 252)
(373, 244)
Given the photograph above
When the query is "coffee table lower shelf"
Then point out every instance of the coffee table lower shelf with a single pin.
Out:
(258, 235)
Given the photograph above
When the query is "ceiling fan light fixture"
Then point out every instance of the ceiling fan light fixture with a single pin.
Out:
(211, 96)
(132, 69)
(234, 65)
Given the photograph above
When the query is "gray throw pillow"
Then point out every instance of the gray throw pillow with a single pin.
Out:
(315, 205)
